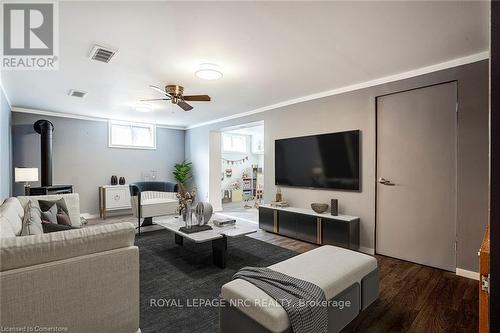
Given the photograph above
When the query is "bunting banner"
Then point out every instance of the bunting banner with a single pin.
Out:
(232, 162)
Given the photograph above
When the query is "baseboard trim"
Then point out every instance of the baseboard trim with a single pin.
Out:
(468, 274)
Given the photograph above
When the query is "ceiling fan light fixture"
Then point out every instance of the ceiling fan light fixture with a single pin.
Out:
(208, 71)
(143, 107)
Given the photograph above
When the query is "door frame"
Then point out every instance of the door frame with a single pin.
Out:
(214, 181)
(377, 152)
(495, 169)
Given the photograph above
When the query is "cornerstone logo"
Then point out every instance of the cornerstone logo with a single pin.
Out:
(30, 35)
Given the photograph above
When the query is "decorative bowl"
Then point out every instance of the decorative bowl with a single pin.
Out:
(319, 207)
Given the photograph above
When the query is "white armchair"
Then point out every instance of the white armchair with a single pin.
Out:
(150, 199)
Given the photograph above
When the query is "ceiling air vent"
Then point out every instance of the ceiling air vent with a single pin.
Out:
(102, 54)
(77, 93)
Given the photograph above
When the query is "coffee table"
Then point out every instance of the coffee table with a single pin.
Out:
(218, 235)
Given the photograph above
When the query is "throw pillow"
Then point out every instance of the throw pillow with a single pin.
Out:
(61, 206)
(50, 216)
(32, 222)
(47, 204)
(51, 227)
(63, 218)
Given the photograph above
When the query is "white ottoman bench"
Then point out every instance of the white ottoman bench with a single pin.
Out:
(349, 280)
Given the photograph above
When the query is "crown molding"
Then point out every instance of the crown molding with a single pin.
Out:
(56, 114)
(79, 117)
(362, 85)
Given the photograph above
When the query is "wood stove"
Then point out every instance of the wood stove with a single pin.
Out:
(46, 129)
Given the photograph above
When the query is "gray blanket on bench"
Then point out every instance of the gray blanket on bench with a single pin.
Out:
(300, 299)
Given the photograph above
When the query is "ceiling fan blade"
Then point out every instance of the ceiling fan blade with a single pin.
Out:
(154, 99)
(197, 98)
(185, 106)
(158, 89)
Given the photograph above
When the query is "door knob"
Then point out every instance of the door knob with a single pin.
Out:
(384, 181)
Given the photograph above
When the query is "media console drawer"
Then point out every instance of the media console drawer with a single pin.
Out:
(117, 198)
(266, 219)
(311, 227)
(113, 197)
(341, 233)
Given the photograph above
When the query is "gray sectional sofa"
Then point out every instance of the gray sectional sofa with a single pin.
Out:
(83, 280)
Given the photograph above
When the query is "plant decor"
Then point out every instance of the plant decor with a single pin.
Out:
(182, 174)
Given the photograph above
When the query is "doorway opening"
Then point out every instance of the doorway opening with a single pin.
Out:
(242, 171)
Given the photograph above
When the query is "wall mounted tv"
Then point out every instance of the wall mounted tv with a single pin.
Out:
(329, 161)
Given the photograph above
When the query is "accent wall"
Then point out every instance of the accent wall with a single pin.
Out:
(356, 110)
(81, 155)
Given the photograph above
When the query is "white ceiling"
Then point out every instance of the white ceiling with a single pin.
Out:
(269, 52)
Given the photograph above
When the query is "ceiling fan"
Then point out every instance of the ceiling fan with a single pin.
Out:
(174, 93)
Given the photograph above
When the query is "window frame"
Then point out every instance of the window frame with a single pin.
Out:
(152, 128)
(245, 138)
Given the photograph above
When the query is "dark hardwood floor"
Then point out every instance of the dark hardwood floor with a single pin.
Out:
(413, 298)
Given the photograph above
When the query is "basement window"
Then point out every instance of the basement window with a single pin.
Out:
(131, 135)
(233, 143)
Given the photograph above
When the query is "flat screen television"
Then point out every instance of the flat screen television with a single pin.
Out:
(329, 161)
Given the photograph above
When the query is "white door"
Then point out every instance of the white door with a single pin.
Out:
(416, 175)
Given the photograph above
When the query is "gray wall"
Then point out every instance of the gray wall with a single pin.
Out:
(356, 110)
(82, 156)
(5, 147)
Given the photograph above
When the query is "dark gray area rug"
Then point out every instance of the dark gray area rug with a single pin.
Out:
(174, 277)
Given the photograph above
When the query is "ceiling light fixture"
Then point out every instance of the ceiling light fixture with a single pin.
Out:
(208, 71)
(143, 107)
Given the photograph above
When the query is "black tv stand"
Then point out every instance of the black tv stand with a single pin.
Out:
(309, 226)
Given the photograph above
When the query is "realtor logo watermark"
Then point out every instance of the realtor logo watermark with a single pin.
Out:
(30, 36)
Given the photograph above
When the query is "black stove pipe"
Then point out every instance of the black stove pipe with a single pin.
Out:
(45, 128)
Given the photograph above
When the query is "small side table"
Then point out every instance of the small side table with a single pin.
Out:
(113, 197)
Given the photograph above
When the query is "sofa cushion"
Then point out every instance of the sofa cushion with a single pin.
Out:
(156, 201)
(17, 252)
(32, 222)
(332, 268)
(5, 228)
(163, 207)
(72, 202)
(12, 210)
